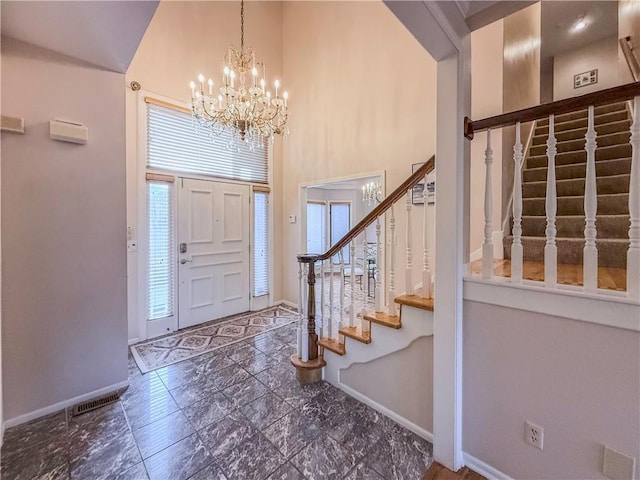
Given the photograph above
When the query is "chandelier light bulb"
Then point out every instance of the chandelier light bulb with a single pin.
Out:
(254, 71)
(210, 82)
(226, 70)
(192, 84)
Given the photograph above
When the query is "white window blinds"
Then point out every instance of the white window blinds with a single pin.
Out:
(261, 244)
(160, 261)
(176, 143)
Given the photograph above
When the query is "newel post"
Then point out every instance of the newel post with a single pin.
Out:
(309, 366)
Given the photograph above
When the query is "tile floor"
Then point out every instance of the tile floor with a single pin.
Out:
(236, 413)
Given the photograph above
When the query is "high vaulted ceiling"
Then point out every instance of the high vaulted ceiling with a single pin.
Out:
(478, 13)
(103, 33)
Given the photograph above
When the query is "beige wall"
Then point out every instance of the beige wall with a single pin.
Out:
(580, 382)
(63, 224)
(521, 83)
(486, 101)
(362, 101)
(183, 40)
(602, 55)
(403, 382)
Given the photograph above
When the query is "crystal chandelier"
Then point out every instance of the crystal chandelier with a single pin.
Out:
(372, 192)
(242, 104)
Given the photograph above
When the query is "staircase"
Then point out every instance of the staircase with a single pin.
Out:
(613, 168)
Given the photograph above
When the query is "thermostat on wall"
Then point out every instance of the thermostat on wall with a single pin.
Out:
(64, 131)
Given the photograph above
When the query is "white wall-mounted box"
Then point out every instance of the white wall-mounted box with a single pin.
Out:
(68, 132)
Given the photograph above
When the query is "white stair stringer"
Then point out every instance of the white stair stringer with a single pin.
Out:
(416, 323)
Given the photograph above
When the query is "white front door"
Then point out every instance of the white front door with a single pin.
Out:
(213, 245)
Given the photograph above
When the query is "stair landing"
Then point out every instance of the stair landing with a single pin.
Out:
(609, 278)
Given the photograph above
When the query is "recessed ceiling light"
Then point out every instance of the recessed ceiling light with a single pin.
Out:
(579, 26)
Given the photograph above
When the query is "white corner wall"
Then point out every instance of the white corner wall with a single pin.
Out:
(64, 302)
(580, 382)
(602, 55)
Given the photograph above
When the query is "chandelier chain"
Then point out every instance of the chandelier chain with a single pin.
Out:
(242, 26)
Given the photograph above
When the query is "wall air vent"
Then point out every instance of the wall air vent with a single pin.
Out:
(94, 403)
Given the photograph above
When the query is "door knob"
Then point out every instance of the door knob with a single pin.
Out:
(185, 260)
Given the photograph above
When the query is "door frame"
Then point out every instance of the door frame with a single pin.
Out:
(328, 220)
(139, 327)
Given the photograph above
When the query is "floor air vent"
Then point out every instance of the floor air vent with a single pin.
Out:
(94, 403)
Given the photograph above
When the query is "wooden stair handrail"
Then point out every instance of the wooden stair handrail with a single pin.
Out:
(602, 97)
(385, 205)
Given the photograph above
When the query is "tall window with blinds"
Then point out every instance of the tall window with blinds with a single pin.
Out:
(160, 259)
(175, 143)
(260, 244)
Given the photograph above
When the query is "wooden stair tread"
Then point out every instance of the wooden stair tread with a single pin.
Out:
(382, 318)
(438, 471)
(415, 301)
(332, 345)
(356, 333)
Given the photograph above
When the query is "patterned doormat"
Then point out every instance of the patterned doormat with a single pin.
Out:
(194, 341)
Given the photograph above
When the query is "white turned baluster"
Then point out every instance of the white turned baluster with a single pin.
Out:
(550, 249)
(330, 322)
(378, 276)
(392, 269)
(305, 320)
(590, 252)
(487, 244)
(426, 269)
(365, 275)
(352, 265)
(300, 310)
(340, 320)
(321, 323)
(408, 277)
(633, 255)
(516, 246)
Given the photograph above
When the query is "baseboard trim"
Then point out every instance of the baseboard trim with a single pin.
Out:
(41, 412)
(483, 469)
(133, 341)
(418, 430)
(287, 303)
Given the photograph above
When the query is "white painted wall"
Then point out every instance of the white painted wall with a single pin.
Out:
(356, 111)
(580, 382)
(401, 381)
(486, 101)
(63, 222)
(183, 40)
(602, 55)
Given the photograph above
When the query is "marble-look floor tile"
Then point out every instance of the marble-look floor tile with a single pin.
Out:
(145, 410)
(137, 472)
(179, 461)
(192, 392)
(277, 375)
(212, 362)
(244, 392)
(323, 458)
(265, 410)
(325, 407)
(95, 428)
(144, 386)
(222, 437)
(295, 394)
(363, 472)
(258, 363)
(42, 430)
(400, 455)
(44, 461)
(229, 376)
(210, 472)
(208, 410)
(291, 433)
(243, 352)
(361, 436)
(162, 433)
(286, 472)
(254, 459)
(178, 374)
(106, 460)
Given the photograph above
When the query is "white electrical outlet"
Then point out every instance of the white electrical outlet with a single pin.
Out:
(534, 435)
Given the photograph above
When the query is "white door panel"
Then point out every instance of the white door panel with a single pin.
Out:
(213, 226)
